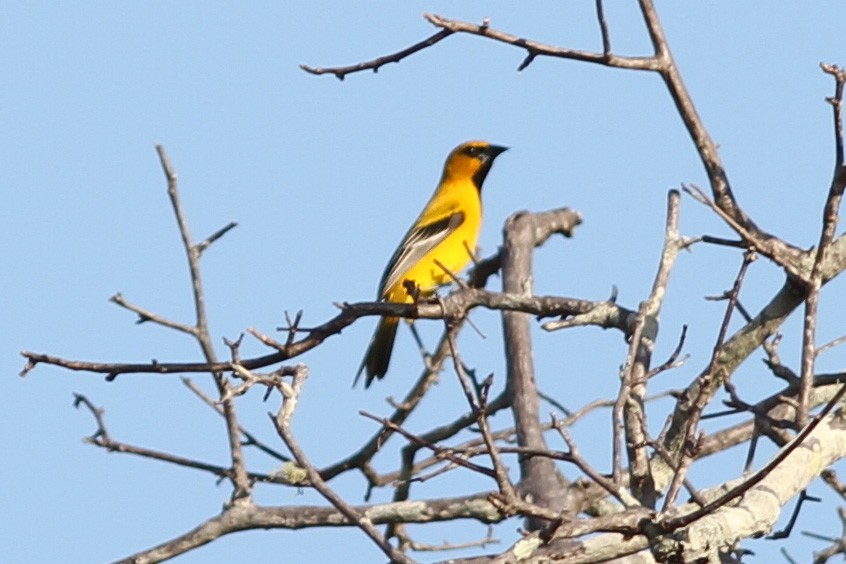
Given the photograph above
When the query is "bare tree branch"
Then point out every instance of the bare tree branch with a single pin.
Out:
(593, 518)
(539, 478)
(240, 479)
(629, 407)
(829, 227)
(283, 426)
(374, 65)
(456, 304)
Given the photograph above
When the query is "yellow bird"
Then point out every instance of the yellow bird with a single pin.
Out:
(446, 231)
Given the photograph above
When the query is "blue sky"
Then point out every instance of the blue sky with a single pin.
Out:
(323, 178)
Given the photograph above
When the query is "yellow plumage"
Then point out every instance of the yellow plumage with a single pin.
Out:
(446, 231)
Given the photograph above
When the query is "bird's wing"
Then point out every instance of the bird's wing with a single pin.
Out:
(420, 239)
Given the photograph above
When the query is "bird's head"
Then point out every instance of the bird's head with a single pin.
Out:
(472, 160)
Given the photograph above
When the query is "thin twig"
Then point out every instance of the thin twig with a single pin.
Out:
(374, 65)
(442, 452)
(249, 438)
(208, 241)
(240, 480)
(831, 344)
(401, 412)
(408, 543)
(101, 438)
(282, 421)
(629, 409)
(576, 458)
(146, 315)
(737, 491)
(710, 379)
(829, 227)
(603, 29)
(785, 532)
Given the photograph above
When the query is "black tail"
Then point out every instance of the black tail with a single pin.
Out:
(378, 355)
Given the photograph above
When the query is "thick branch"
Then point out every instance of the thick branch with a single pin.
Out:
(540, 478)
(251, 517)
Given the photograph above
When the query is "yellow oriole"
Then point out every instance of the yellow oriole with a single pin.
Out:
(446, 231)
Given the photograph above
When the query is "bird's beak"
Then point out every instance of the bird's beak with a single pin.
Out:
(494, 151)
(486, 162)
